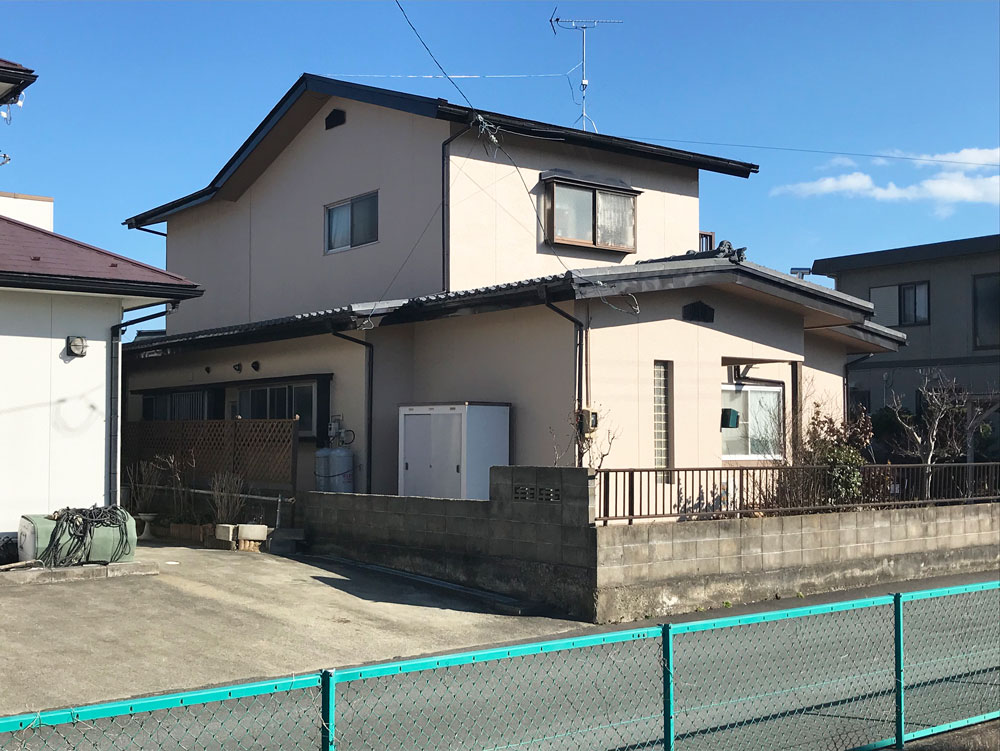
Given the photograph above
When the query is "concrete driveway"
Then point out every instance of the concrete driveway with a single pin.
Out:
(215, 617)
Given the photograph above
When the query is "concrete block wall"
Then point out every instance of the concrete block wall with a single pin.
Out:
(534, 538)
(659, 568)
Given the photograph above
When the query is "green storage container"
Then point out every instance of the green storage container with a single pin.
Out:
(36, 531)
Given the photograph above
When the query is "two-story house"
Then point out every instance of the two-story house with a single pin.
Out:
(945, 297)
(366, 249)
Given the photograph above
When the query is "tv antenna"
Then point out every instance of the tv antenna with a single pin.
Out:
(581, 25)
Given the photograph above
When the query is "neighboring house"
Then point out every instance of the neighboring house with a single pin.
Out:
(61, 304)
(456, 257)
(945, 297)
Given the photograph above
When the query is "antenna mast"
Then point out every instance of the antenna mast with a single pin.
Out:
(581, 25)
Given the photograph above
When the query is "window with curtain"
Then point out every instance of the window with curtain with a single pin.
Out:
(352, 223)
(591, 216)
(761, 428)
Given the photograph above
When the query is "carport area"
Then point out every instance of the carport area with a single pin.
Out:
(213, 617)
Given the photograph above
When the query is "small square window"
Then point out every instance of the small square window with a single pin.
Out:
(352, 223)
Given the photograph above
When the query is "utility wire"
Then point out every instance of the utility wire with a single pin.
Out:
(813, 151)
(440, 67)
(492, 134)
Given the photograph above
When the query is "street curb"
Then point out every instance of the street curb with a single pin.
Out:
(85, 572)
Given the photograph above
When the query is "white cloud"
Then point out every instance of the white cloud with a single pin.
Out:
(970, 159)
(944, 189)
(838, 161)
(879, 161)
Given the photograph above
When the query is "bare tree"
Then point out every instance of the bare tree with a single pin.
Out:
(949, 419)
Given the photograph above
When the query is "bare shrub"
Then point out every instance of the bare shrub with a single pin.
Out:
(228, 497)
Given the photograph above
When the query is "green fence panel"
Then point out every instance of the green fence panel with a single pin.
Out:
(279, 714)
(601, 692)
(951, 657)
(809, 678)
(862, 674)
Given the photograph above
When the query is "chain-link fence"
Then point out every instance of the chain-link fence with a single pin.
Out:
(863, 674)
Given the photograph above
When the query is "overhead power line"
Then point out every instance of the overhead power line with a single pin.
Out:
(466, 75)
(814, 151)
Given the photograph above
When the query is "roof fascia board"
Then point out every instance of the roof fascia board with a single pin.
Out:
(910, 254)
(434, 108)
(614, 144)
(111, 287)
(810, 296)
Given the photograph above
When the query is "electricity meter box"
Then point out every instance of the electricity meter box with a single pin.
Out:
(446, 450)
(35, 532)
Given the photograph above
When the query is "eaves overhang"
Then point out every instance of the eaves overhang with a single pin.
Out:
(821, 307)
(865, 338)
(318, 89)
(14, 79)
(88, 285)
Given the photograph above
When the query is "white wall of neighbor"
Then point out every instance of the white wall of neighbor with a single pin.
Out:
(53, 408)
(34, 210)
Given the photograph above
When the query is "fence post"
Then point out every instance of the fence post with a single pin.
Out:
(328, 688)
(897, 606)
(668, 689)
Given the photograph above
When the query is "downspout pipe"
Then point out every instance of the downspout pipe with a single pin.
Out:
(847, 369)
(578, 342)
(114, 420)
(446, 209)
(369, 391)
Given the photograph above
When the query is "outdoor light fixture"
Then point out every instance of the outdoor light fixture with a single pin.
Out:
(76, 346)
(208, 368)
(255, 365)
(238, 367)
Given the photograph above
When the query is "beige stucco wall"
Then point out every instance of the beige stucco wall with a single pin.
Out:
(523, 356)
(622, 351)
(262, 256)
(53, 408)
(526, 357)
(495, 234)
(34, 210)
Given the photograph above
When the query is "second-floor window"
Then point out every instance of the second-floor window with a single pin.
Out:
(914, 303)
(986, 311)
(352, 223)
(591, 213)
(901, 304)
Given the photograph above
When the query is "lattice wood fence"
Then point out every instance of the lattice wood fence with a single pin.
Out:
(263, 452)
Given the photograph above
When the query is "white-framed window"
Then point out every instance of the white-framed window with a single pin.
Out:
(760, 432)
(352, 222)
(592, 215)
(280, 402)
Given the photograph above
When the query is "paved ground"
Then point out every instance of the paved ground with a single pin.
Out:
(219, 617)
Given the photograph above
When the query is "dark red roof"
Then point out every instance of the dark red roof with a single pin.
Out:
(28, 251)
(12, 64)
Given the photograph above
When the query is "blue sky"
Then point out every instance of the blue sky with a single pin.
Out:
(140, 103)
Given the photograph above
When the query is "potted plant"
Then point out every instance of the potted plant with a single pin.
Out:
(143, 479)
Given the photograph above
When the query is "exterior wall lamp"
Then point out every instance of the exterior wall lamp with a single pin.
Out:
(76, 346)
